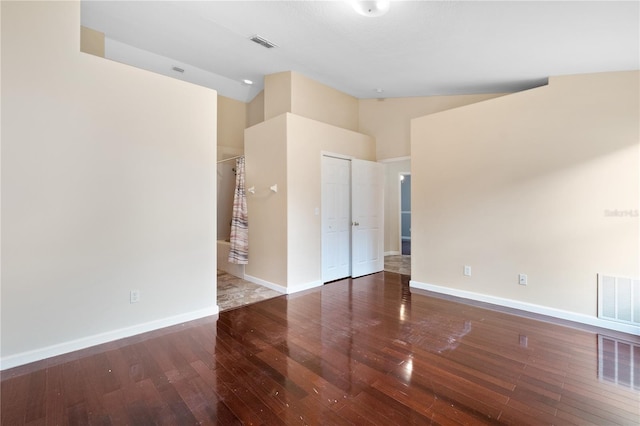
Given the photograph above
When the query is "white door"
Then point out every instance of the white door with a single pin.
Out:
(367, 215)
(336, 218)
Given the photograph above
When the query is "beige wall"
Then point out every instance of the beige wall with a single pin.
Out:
(295, 93)
(389, 120)
(284, 236)
(91, 41)
(266, 165)
(277, 94)
(392, 172)
(232, 120)
(255, 110)
(323, 103)
(306, 140)
(107, 186)
(522, 183)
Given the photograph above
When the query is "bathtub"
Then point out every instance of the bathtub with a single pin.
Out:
(223, 263)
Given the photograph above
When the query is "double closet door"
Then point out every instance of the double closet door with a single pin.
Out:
(352, 218)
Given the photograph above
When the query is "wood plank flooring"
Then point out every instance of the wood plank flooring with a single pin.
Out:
(364, 352)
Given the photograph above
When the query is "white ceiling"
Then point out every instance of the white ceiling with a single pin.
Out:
(418, 48)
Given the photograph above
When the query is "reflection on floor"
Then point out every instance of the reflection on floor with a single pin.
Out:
(234, 292)
(398, 264)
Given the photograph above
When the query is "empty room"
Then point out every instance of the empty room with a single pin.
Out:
(320, 212)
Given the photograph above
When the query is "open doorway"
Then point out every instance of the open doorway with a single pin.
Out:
(405, 214)
(396, 171)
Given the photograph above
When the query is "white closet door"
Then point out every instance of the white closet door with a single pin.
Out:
(336, 218)
(367, 212)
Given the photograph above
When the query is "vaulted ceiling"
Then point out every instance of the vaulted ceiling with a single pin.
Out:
(418, 48)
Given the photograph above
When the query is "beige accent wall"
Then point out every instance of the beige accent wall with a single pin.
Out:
(523, 184)
(389, 120)
(255, 110)
(392, 172)
(108, 185)
(284, 236)
(91, 41)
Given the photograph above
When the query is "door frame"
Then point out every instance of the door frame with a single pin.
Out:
(350, 159)
(323, 155)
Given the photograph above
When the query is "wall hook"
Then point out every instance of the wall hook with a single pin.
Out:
(251, 189)
(274, 188)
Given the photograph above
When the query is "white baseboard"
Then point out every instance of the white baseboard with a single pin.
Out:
(392, 253)
(528, 307)
(264, 283)
(97, 339)
(303, 287)
(282, 289)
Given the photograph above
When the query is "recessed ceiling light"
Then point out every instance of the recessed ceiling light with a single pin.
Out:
(247, 82)
(371, 8)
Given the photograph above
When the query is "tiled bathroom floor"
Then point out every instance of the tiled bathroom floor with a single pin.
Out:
(398, 264)
(234, 292)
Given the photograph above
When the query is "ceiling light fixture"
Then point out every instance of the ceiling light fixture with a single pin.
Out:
(247, 82)
(371, 9)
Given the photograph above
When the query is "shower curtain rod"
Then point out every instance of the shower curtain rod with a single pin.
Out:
(231, 158)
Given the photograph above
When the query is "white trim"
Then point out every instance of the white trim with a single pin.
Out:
(268, 284)
(97, 339)
(529, 307)
(335, 155)
(303, 287)
(392, 253)
(282, 289)
(395, 159)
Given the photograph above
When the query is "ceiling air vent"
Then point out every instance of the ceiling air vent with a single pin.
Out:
(262, 41)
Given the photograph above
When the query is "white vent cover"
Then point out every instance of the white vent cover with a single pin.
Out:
(262, 41)
(618, 362)
(619, 299)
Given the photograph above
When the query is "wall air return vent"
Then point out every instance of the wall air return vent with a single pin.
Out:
(262, 41)
(619, 299)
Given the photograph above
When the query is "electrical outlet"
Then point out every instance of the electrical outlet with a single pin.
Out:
(524, 341)
(522, 279)
(134, 296)
(467, 271)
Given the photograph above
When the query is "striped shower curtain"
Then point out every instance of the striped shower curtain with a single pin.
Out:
(239, 253)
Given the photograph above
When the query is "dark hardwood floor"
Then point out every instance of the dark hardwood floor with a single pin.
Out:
(364, 352)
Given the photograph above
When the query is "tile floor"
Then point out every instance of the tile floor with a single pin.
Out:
(234, 292)
(398, 264)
